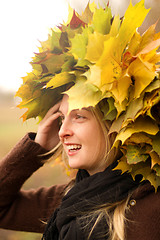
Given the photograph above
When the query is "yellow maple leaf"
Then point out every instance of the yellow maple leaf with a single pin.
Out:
(115, 27)
(91, 95)
(139, 139)
(142, 75)
(133, 18)
(95, 46)
(147, 38)
(60, 79)
(141, 124)
(155, 159)
(123, 165)
(111, 70)
(133, 46)
(121, 107)
(24, 92)
(120, 91)
(87, 15)
(154, 45)
(94, 75)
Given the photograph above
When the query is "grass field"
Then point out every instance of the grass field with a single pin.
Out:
(11, 130)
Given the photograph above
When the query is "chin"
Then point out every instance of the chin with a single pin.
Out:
(75, 165)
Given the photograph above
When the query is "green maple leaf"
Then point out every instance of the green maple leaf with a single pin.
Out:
(69, 63)
(157, 169)
(108, 109)
(136, 154)
(117, 124)
(50, 64)
(154, 180)
(156, 143)
(102, 20)
(79, 43)
(52, 43)
(132, 110)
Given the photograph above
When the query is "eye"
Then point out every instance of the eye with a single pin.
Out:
(61, 118)
(79, 116)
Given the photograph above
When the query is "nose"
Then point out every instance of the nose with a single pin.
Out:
(65, 129)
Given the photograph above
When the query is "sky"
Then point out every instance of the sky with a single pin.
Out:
(22, 24)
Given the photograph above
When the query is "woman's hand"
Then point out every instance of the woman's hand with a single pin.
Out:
(47, 135)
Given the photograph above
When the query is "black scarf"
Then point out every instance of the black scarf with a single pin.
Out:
(109, 186)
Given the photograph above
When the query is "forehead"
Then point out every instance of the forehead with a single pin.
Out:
(65, 105)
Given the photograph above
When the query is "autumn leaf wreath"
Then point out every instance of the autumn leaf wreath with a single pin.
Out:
(101, 59)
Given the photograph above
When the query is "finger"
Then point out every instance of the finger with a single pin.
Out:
(52, 110)
(51, 120)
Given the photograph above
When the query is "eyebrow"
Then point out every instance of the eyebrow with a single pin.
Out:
(59, 111)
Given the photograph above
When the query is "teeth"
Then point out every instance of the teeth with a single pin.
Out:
(73, 147)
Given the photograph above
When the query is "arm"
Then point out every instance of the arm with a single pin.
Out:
(25, 210)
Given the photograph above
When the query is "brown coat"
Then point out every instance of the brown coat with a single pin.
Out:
(26, 210)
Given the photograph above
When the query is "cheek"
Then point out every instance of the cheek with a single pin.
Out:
(95, 137)
(100, 142)
(89, 135)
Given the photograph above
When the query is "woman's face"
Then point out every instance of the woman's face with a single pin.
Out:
(82, 138)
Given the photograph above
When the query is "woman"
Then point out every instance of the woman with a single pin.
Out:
(100, 195)
(106, 121)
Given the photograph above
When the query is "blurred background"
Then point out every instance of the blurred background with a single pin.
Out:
(22, 24)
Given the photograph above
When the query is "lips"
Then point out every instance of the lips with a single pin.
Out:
(73, 148)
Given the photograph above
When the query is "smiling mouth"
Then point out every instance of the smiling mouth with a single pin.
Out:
(74, 147)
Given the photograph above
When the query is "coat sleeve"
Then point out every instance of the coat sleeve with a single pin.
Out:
(25, 210)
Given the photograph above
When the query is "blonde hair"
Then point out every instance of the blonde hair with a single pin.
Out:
(111, 153)
(114, 213)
